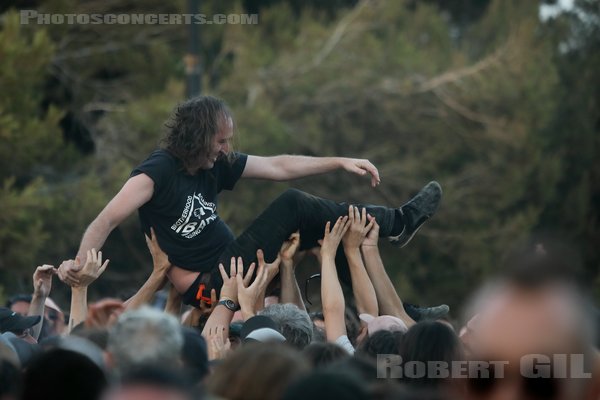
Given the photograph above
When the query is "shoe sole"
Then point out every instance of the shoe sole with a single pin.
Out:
(435, 190)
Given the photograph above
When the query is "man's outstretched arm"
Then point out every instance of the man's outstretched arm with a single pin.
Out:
(137, 191)
(287, 167)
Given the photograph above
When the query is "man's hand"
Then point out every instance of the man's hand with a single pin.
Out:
(104, 313)
(372, 238)
(361, 167)
(271, 269)
(67, 271)
(248, 295)
(229, 290)
(358, 228)
(332, 238)
(218, 344)
(92, 269)
(159, 258)
(289, 248)
(42, 280)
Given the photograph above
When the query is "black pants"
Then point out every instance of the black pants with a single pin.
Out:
(291, 211)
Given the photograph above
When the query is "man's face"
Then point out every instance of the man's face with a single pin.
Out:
(515, 325)
(20, 307)
(220, 144)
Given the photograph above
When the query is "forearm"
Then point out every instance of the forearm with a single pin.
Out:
(364, 292)
(146, 292)
(332, 300)
(221, 316)
(95, 236)
(293, 167)
(387, 297)
(173, 305)
(290, 292)
(78, 312)
(36, 307)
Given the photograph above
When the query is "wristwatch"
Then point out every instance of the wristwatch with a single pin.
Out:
(229, 304)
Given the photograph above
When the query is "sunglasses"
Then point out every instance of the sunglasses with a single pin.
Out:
(306, 283)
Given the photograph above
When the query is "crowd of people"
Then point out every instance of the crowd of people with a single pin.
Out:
(259, 342)
(235, 325)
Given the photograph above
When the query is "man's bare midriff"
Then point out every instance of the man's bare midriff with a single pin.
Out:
(181, 278)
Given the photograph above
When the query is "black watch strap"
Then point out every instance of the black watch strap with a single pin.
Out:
(229, 304)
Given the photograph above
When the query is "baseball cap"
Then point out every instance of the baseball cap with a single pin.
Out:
(383, 323)
(261, 329)
(11, 321)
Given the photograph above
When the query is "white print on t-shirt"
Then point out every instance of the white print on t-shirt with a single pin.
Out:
(203, 213)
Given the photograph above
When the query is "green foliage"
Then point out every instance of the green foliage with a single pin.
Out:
(30, 141)
(501, 109)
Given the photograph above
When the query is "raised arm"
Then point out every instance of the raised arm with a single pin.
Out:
(362, 287)
(137, 191)
(222, 314)
(388, 300)
(290, 292)
(157, 278)
(42, 284)
(288, 167)
(332, 296)
(91, 270)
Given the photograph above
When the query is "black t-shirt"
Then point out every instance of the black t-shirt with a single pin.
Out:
(183, 208)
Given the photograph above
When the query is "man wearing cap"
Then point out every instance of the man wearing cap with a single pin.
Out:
(10, 321)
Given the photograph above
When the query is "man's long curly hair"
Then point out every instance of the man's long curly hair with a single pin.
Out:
(192, 127)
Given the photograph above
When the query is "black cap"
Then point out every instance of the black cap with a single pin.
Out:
(262, 329)
(11, 321)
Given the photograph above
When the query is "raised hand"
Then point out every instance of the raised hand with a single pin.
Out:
(218, 344)
(104, 313)
(271, 269)
(159, 259)
(289, 248)
(229, 290)
(92, 269)
(358, 228)
(42, 280)
(332, 238)
(67, 271)
(372, 238)
(362, 167)
(249, 294)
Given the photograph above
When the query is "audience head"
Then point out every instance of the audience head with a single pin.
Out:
(322, 354)
(257, 371)
(19, 303)
(261, 328)
(535, 310)
(194, 354)
(19, 325)
(430, 341)
(63, 374)
(327, 384)
(295, 324)
(147, 382)
(381, 342)
(145, 336)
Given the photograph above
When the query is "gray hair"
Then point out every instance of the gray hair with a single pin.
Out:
(145, 336)
(295, 324)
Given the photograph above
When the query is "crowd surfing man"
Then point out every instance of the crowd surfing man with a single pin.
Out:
(176, 188)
